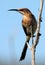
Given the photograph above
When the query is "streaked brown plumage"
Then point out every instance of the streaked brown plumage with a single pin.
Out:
(28, 21)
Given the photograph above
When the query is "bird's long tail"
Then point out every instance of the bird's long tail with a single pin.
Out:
(24, 49)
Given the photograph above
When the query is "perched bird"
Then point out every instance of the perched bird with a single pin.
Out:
(28, 22)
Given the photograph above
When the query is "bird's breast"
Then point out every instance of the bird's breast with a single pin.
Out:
(26, 21)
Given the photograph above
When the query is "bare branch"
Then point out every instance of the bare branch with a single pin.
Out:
(35, 42)
(38, 23)
(32, 34)
(29, 46)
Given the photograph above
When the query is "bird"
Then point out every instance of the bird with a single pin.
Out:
(29, 23)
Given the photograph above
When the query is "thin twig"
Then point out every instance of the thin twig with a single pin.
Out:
(38, 23)
(32, 33)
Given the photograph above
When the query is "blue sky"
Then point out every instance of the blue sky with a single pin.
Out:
(12, 36)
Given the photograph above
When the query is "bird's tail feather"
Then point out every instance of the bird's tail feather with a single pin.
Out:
(24, 50)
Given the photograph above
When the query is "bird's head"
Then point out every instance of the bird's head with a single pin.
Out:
(23, 11)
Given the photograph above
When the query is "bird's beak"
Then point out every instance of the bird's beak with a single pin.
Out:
(18, 10)
(13, 10)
